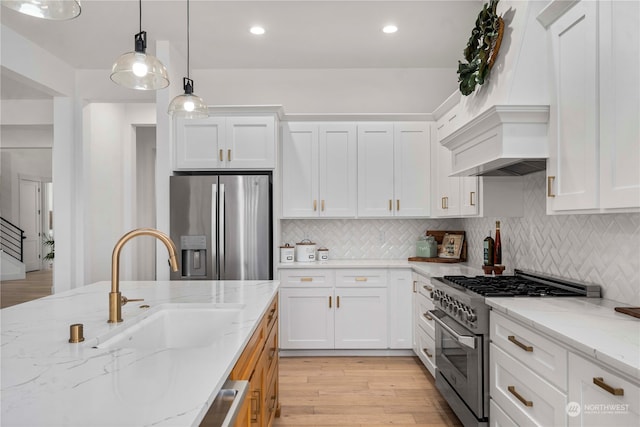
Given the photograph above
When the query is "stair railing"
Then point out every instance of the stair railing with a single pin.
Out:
(11, 238)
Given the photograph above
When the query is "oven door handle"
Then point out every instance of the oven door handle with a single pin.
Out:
(466, 340)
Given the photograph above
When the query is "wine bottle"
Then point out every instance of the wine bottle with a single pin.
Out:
(488, 250)
(497, 247)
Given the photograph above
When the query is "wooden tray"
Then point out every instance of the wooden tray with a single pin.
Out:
(631, 311)
(439, 236)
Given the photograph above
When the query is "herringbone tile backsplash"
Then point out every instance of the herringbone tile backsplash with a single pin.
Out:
(602, 249)
(599, 249)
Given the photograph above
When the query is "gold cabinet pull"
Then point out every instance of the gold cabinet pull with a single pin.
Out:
(428, 288)
(524, 401)
(272, 313)
(442, 202)
(322, 205)
(415, 286)
(338, 301)
(361, 279)
(427, 352)
(397, 204)
(315, 205)
(519, 344)
(306, 279)
(427, 316)
(390, 204)
(255, 412)
(229, 155)
(471, 202)
(329, 302)
(272, 353)
(221, 156)
(550, 180)
(599, 381)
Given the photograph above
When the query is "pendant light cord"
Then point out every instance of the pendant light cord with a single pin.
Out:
(188, 31)
(140, 13)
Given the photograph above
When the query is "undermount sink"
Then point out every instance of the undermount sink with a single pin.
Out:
(176, 326)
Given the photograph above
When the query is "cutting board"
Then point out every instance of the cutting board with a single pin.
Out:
(631, 311)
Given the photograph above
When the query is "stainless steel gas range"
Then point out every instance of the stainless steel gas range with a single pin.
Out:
(461, 319)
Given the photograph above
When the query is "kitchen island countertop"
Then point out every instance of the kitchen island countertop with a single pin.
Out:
(46, 381)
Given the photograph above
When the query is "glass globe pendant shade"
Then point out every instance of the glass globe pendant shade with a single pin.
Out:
(140, 70)
(188, 105)
(57, 10)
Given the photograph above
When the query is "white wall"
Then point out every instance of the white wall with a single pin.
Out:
(412, 90)
(110, 183)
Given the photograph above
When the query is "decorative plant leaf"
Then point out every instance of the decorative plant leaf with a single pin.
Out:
(477, 53)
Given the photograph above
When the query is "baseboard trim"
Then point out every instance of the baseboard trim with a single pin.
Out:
(325, 353)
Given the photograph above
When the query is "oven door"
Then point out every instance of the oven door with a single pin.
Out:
(459, 360)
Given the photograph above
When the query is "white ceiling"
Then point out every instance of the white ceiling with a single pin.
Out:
(299, 33)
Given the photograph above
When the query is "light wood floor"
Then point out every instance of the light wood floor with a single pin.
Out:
(36, 285)
(360, 391)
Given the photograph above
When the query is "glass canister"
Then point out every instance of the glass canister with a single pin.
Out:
(427, 247)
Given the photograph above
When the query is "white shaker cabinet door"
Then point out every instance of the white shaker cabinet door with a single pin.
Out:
(600, 397)
(620, 104)
(375, 169)
(446, 200)
(300, 170)
(250, 142)
(572, 168)
(306, 318)
(361, 318)
(412, 169)
(337, 170)
(400, 309)
(200, 143)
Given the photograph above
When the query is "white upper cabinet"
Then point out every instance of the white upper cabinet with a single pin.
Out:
(319, 170)
(393, 169)
(225, 143)
(595, 113)
(446, 189)
(619, 104)
(412, 169)
(573, 155)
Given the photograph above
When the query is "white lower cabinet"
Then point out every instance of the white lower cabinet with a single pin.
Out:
(523, 394)
(536, 380)
(424, 344)
(603, 397)
(333, 309)
(400, 293)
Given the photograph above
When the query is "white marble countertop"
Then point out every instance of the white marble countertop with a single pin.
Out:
(46, 381)
(431, 269)
(588, 325)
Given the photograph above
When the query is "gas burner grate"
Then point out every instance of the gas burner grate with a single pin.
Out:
(509, 286)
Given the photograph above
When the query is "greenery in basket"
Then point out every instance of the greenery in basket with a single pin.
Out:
(481, 49)
(52, 246)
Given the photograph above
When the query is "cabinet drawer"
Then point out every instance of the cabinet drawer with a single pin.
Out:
(522, 394)
(249, 358)
(543, 356)
(424, 287)
(498, 418)
(317, 278)
(349, 278)
(271, 317)
(271, 350)
(426, 350)
(613, 401)
(423, 318)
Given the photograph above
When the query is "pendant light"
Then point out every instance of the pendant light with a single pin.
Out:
(188, 105)
(138, 69)
(56, 10)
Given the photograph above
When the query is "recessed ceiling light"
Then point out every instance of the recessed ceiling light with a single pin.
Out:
(390, 29)
(257, 30)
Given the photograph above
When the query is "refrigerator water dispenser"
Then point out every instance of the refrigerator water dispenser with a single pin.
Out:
(194, 256)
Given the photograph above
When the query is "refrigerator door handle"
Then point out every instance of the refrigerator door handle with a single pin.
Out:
(221, 240)
(214, 238)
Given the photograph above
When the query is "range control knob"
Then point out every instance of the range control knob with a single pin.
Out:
(471, 316)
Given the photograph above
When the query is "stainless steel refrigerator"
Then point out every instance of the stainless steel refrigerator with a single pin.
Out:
(221, 225)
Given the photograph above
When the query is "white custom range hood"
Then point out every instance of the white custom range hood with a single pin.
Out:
(501, 129)
(505, 140)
